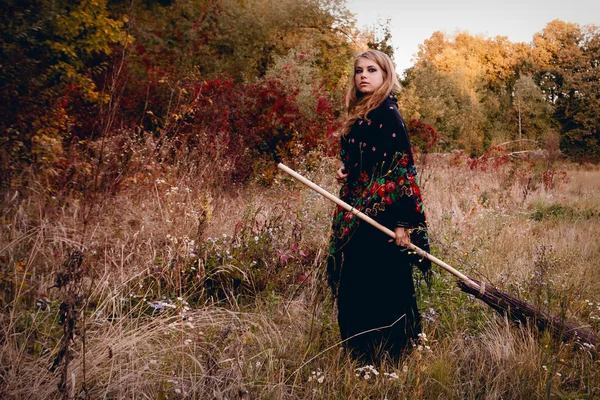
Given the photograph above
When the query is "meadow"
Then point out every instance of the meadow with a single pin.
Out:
(174, 287)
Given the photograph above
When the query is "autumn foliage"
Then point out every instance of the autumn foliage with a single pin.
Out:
(242, 85)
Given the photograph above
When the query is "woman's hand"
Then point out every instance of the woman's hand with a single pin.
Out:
(402, 237)
(341, 175)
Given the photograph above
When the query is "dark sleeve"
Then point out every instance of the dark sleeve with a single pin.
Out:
(406, 208)
(405, 205)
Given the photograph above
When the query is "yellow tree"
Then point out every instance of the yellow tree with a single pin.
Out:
(480, 71)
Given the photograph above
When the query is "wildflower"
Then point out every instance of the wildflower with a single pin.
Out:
(317, 376)
(159, 305)
(366, 372)
(392, 375)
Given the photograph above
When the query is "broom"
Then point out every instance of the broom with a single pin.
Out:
(505, 304)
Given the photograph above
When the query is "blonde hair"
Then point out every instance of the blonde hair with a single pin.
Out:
(359, 105)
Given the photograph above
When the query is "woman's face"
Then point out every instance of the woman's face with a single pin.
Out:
(368, 75)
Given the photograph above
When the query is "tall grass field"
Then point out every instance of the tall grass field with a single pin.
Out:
(174, 287)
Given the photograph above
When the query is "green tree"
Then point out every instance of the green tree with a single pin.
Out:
(380, 38)
(532, 111)
(438, 99)
(52, 52)
(204, 39)
(566, 62)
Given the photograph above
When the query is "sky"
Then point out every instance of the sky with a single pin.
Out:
(412, 22)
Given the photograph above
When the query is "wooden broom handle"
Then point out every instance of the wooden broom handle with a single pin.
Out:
(376, 224)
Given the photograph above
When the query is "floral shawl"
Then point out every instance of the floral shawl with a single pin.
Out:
(382, 183)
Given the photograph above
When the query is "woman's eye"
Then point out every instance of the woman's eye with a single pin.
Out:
(358, 71)
(372, 70)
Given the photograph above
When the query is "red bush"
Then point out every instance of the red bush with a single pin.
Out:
(422, 136)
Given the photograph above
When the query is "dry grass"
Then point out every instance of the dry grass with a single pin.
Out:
(237, 307)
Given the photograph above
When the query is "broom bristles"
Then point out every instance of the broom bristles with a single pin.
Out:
(521, 311)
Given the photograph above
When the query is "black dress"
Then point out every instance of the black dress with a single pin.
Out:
(372, 278)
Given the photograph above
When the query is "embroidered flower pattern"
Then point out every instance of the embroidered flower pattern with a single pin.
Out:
(371, 194)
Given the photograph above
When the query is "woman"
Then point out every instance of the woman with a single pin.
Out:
(370, 275)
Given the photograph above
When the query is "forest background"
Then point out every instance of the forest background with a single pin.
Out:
(106, 104)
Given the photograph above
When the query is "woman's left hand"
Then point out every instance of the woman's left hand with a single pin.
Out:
(341, 175)
(402, 237)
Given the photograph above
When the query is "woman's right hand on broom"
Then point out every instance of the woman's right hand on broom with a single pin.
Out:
(402, 237)
(341, 175)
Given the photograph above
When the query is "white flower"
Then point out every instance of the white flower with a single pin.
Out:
(316, 376)
(392, 375)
